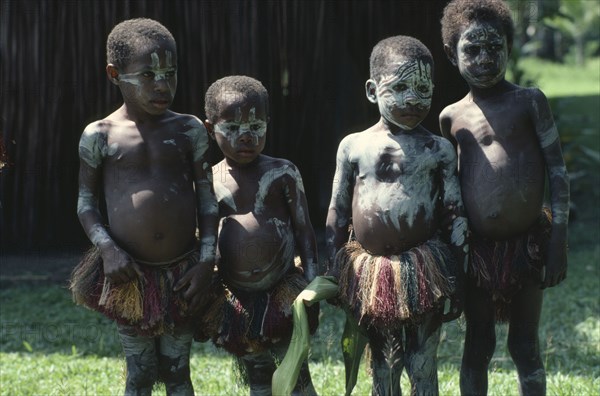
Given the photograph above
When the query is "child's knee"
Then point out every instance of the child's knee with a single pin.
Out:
(173, 370)
(142, 371)
(522, 349)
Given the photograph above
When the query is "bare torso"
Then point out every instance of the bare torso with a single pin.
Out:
(396, 188)
(501, 166)
(256, 238)
(148, 187)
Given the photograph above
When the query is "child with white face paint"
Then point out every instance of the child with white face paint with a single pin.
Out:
(389, 184)
(507, 144)
(265, 224)
(147, 271)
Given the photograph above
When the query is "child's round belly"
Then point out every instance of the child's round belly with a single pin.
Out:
(382, 235)
(255, 252)
(151, 226)
(504, 206)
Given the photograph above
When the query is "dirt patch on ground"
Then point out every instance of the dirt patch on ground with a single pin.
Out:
(36, 269)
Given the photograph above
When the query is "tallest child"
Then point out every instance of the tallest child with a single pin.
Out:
(149, 165)
(507, 143)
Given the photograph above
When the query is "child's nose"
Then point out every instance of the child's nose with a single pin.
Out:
(246, 137)
(484, 57)
(161, 85)
(412, 100)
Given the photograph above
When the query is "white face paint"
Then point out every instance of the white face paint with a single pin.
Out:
(404, 97)
(482, 55)
(234, 129)
(154, 72)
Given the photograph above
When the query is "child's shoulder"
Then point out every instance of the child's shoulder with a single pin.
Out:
(278, 167)
(455, 108)
(356, 138)
(269, 162)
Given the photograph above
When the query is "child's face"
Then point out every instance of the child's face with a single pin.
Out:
(149, 81)
(482, 54)
(404, 93)
(241, 127)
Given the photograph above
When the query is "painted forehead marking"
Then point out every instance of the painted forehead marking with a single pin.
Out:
(413, 71)
(410, 69)
(481, 32)
(159, 74)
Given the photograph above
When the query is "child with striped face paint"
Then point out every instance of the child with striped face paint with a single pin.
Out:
(389, 184)
(265, 224)
(507, 144)
(147, 271)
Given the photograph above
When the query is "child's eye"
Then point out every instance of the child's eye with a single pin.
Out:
(255, 127)
(400, 87)
(234, 128)
(472, 50)
(423, 88)
(171, 73)
(148, 74)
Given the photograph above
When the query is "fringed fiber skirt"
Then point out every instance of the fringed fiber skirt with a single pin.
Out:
(394, 290)
(147, 304)
(500, 267)
(245, 322)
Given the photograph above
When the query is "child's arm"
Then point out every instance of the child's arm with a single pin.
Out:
(195, 281)
(304, 234)
(451, 198)
(340, 207)
(118, 266)
(556, 265)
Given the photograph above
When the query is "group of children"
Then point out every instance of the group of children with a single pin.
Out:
(415, 220)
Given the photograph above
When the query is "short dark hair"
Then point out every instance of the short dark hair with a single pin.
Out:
(129, 35)
(248, 87)
(406, 46)
(459, 13)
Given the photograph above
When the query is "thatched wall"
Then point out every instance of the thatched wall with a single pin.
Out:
(311, 55)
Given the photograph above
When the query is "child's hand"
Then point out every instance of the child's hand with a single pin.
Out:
(447, 218)
(332, 269)
(119, 267)
(555, 270)
(194, 285)
(457, 303)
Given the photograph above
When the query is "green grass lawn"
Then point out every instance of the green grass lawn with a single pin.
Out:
(49, 346)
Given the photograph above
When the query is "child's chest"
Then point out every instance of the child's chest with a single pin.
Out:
(392, 159)
(160, 148)
(243, 191)
(507, 124)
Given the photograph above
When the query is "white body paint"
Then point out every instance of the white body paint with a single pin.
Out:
(267, 179)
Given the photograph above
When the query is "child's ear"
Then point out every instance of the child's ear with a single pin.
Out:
(210, 128)
(371, 90)
(112, 73)
(451, 54)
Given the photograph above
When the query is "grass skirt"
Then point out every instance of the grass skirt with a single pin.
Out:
(393, 290)
(148, 304)
(500, 267)
(245, 322)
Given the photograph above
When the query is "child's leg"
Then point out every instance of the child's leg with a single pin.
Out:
(387, 361)
(422, 342)
(142, 362)
(304, 385)
(523, 341)
(174, 362)
(260, 368)
(480, 340)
